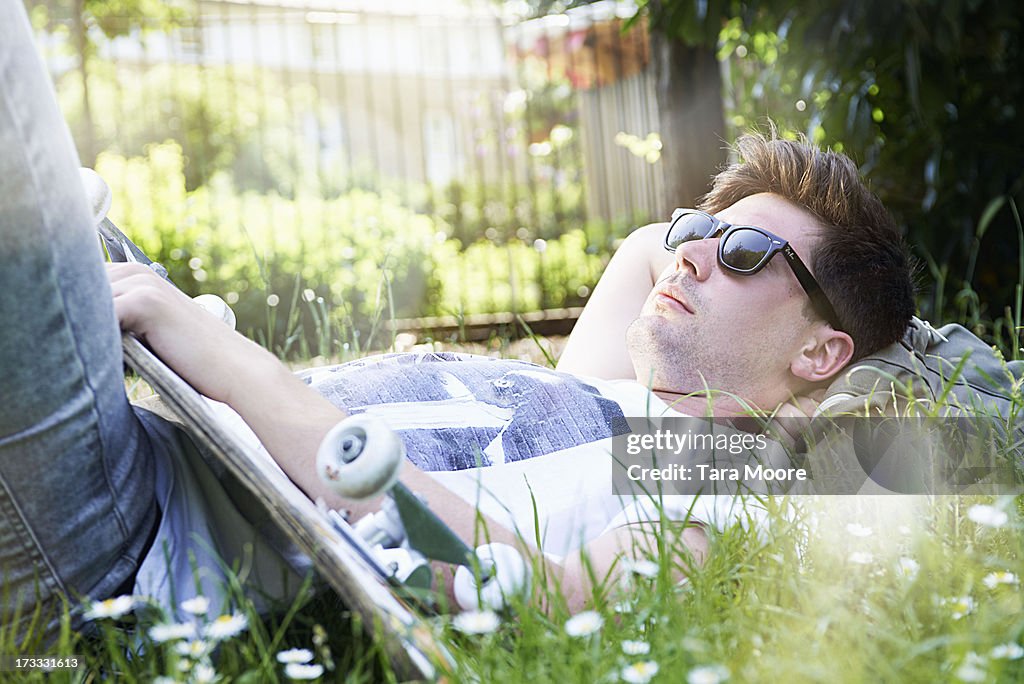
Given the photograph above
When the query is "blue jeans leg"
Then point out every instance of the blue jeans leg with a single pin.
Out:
(76, 465)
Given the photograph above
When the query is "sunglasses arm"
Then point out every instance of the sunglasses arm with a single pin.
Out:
(817, 296)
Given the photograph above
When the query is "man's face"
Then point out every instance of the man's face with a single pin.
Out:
(703, 326)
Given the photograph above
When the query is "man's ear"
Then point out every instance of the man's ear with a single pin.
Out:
(825, 354)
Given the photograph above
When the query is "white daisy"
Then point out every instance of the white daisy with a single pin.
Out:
(301, 671)
(476, 622)
(1007, 651)
(972, 669)
(584, 624)
(203, 673)
(994, 579)
(907, 567)
(112, 608)
(861, 558)
(295, 655)
(986, 515)
(172, 631)
(859, 530)
(226, 626)
(639, 673)
(198, 605)
(194, 649)
(959, 606)
(635, 648)
(644, 568)
(163, 679)
(707, 674)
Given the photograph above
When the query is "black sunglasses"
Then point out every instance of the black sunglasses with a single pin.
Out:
(745, 250)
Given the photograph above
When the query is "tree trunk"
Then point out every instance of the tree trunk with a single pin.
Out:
(86, 138)
(689, 93)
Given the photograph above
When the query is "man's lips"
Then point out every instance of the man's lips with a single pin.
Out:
(674, 298)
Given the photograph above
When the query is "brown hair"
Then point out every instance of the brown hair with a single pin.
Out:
(860, 261)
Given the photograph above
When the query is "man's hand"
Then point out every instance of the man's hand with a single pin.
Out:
(200, 348)
(289, 418)
(792, 418)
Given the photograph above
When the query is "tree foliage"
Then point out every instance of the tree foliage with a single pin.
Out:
(109, 18)
(88, 21)
(923, 94)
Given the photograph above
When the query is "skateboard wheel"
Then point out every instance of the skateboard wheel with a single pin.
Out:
(97, 192)
(218, 307)
(506, 575)
(344, 464)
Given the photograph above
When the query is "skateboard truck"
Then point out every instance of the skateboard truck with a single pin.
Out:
(405, 522)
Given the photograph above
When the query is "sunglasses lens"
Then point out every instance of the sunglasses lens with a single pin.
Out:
(688, 227)
(745, 250)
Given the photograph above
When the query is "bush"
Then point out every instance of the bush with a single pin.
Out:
(524, 276)
(360, 256)
(307, 275)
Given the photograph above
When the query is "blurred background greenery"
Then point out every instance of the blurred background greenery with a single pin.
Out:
(329, 167)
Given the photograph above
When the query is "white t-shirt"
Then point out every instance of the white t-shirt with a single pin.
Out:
(542, 439)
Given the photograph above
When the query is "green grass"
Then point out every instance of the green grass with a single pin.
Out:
(796, 605)
(845, 589)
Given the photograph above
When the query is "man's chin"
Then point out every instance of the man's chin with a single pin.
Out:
(654, 346)
(654, 328)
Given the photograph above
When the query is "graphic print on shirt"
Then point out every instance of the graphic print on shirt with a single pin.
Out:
(456, 411)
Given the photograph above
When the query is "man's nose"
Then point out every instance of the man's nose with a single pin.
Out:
(698, 257)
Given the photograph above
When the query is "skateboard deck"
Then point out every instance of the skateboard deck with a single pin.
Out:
(339, 555)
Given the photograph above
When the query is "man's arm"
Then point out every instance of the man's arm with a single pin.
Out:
(291, 419)
(597, 345)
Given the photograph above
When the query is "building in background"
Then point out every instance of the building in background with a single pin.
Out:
(606, 67)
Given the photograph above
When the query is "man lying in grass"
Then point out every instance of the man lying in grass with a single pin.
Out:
(789, 271)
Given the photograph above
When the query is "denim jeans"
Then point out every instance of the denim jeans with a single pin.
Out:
(76, 461)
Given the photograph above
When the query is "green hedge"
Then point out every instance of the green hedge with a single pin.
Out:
(308, 275)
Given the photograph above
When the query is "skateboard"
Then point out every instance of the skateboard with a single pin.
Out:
(378, 565)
